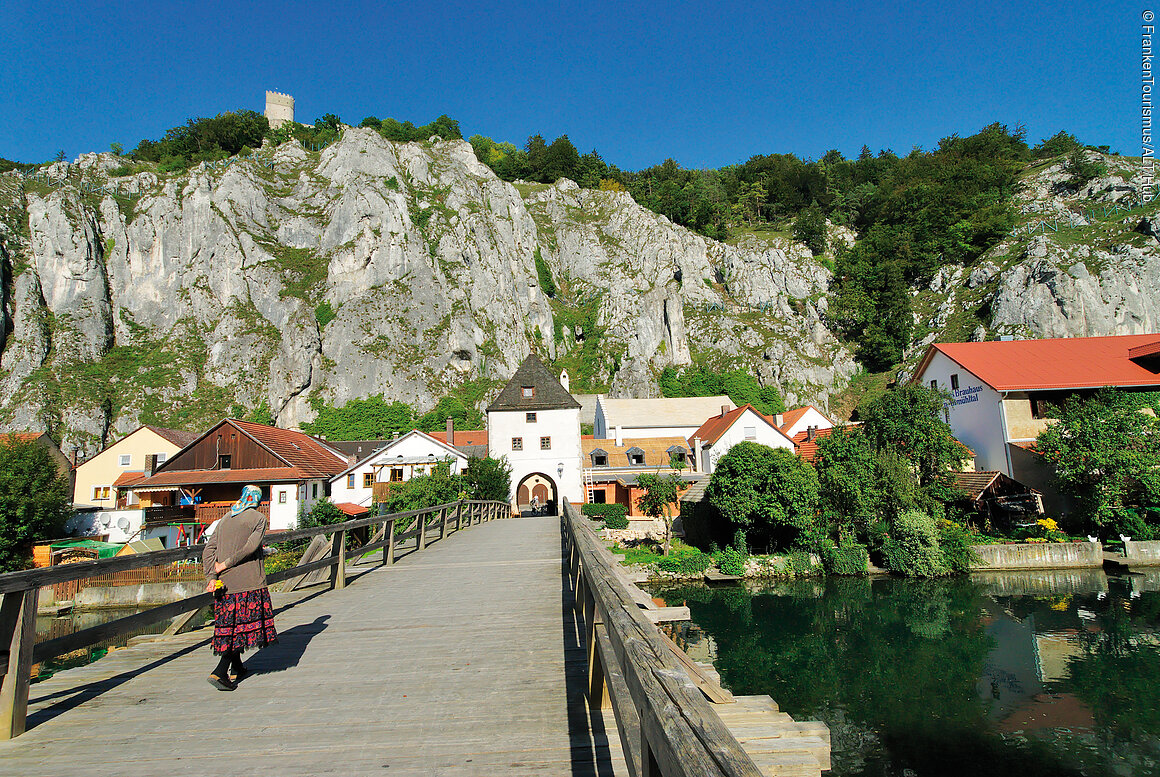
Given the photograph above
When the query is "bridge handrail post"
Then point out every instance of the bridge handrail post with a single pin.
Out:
(389, 536)
(17, 636)
(422, 518)
(338, 550)
(443, 524)
(459, 516)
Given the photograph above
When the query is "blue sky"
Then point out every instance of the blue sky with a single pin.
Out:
(706, 84)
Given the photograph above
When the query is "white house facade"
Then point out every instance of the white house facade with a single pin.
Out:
(798, 420)
(617, 419)
(535, 423)
(415, 453)
(719, 434)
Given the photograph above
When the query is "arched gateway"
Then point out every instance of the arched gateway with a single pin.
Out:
(540, 486)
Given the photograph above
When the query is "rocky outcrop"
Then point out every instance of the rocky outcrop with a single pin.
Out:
(370, 267)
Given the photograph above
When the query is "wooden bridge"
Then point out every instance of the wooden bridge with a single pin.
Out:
(512, 647)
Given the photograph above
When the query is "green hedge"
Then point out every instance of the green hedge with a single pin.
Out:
(686, 564)
(615, 516)
(849, 558)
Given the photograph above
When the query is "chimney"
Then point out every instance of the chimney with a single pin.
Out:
(619, 437)
(150, 464)
(811, 433)
(779, 420)
(724, 410)
(450, 430)
(696, 454)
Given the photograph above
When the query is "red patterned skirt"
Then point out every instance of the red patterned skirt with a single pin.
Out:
(243, 621)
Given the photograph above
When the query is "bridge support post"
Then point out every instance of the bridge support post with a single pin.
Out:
(338, 571)
(389, 536)
(17, 635)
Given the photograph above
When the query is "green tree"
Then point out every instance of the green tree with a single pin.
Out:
(323, 513)
(912, 549)
(1081, 168)
(439, 487)
(1106, 455)
(117, 149)
(810, 228)
(660, 492)
(35, 500)
(770, 494)
(910, 421)
(1060, 143)
(465, 416)
(488, 478)
(372, 418)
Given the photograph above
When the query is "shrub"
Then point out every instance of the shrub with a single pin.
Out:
(955, 541)
(1080, 169)
(912, 549)
(694, 563)
(615, 516)
(847, 558)
(324, 314)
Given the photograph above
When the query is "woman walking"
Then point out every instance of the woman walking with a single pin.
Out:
(243, 613)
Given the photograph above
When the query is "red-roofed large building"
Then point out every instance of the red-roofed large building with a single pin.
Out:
(292, 469)
(1001, 391)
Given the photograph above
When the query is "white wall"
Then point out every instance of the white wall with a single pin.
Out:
(810, 418)
(410, 446)
(975, 417)
(765, 434)
(107, 522)
(563, 426)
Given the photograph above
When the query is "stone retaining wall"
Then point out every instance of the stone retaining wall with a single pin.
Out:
(1039, 555)
(1142, 553)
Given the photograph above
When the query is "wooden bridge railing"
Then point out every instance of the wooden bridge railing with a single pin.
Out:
(21, 590)
(666, 725)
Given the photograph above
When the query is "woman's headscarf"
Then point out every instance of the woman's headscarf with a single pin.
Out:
(251, 496)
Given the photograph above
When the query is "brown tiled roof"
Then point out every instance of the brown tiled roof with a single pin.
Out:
(22, 436)
(176, 436)
(196, 477)
(126, 479)
(351, 509)
(548, 394)
(975, 483)
(298, 450)
(791, 417)
(809, 450)
(656, 451)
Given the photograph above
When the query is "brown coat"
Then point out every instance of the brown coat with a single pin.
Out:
(237, 542)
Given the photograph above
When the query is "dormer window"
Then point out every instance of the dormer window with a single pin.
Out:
(677, 454)
(635, 455)
(599, 458)
(528, 392)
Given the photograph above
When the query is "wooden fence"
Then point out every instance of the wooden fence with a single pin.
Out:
(666, 725)
(21, 590)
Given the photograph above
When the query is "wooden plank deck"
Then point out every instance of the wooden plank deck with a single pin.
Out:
(463, 659)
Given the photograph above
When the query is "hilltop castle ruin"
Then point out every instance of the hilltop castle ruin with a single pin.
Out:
(279, 108)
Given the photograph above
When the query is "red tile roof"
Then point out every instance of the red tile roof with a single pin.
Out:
(791, 417)
(195, 477)
(1060, 363)
(711, 431)
(126, 479)
(22, 436)
(466, 437)
(809, 450)
(351, 509)
(298, 450)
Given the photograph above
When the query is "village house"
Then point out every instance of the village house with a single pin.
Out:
(535, 423)
(636, 418)
(199, 483)
(717, 435)
(1001, 390)
(99, 482)
(415, 453)
(63, 465)
(801, 419)
(611, 468)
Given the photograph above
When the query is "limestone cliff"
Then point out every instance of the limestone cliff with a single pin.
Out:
(370, 267)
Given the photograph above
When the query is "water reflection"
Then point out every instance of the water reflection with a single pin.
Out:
(1005, 673)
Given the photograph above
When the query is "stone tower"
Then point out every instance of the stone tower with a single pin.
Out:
(279, 108)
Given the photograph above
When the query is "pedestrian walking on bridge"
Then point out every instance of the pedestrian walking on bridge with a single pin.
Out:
(234, 572)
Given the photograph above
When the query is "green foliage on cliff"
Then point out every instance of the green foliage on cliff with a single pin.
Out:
(373, 418)
(544, 274)
(204, 139)
(700, 381)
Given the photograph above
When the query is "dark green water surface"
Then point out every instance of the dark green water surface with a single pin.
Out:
(1049, 673)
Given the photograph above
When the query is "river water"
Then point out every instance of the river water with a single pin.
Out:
(1047, 673)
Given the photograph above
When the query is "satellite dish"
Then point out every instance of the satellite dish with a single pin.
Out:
(123, 523)
(105, 522)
